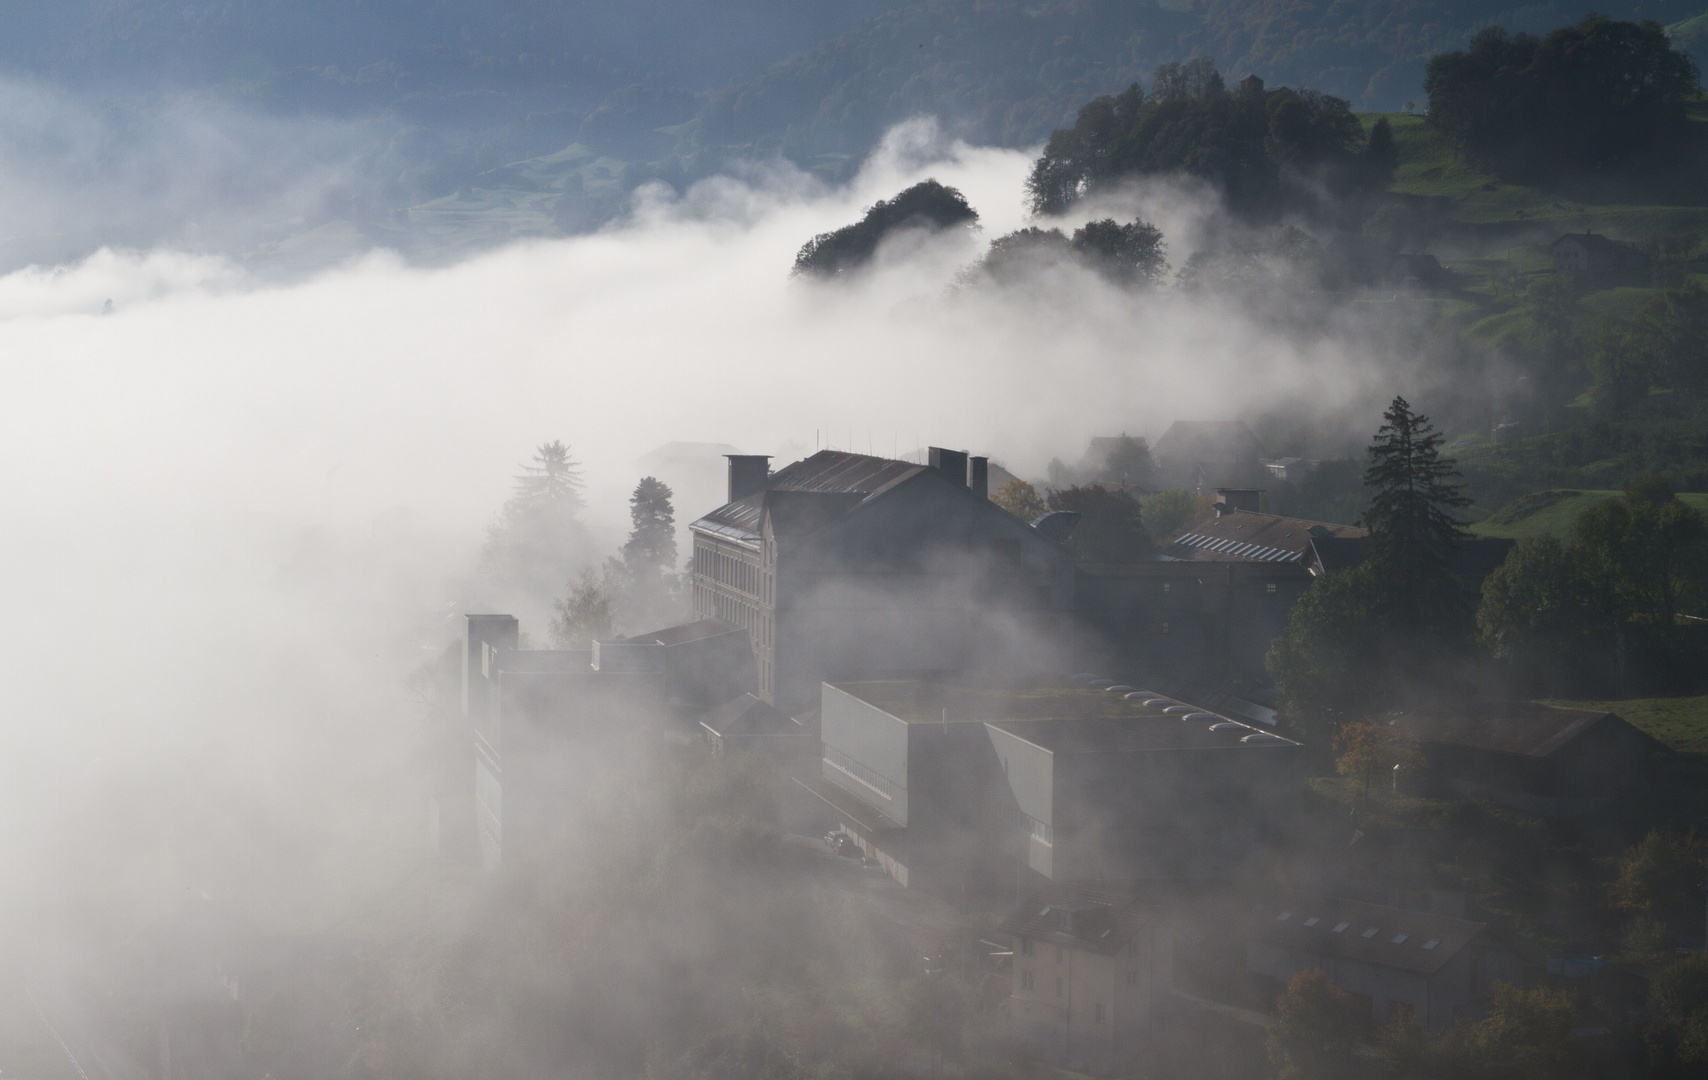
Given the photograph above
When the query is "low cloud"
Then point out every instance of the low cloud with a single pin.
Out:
(240, 512)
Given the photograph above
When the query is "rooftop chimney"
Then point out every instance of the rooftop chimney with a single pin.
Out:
(1230, 499)
(748, 474)
(951, 463)
(978, 476)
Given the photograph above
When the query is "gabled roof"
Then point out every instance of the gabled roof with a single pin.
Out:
(848, 479)
(750, 716)
(1594, 242)
(1088, 925)
(1518, 727)
(1474, 557)
(1227, 442)
(698, 630)
(1323, 926)
(1242, 536)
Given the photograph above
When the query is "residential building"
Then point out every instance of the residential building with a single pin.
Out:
(844, 565)
(542, 723)
(750, 724)
(1590, 255)
(1091, 985)
(1203, 455)
(1204, 613)
(1429, 968)
(1541, 759)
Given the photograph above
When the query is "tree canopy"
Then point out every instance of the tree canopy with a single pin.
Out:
(1132, 255)
(926, 205)
(1111, 526)
(1267, 151)
(537, 537)
(1413, 529)
(1360, 638)
(1598, 96)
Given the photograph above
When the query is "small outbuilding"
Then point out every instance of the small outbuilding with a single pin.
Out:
(1588, 254)
(1541, 759)
(1393, 962)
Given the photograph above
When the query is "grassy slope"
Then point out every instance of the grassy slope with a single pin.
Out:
(1681, 723)
(1429, 167)
(1556, 518)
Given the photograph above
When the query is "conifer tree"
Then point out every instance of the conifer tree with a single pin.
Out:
(537, 538)
(649, 557)
(1413, 529)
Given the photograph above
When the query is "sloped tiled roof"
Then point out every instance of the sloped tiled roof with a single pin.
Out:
(1242, 536)
(1088, 925)
(749, 715)
(850, 480)
(1221, 441)
(1518, 727)
(1367, 933)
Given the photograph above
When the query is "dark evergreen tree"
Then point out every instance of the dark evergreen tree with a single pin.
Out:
(649, 556)
(1381, 156)
(652, 539)
(1413, 527)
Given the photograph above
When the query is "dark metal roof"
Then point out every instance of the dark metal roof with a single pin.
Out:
(1088, 925)
(1242, 536)
(1210, 441)
(749, 716)
(1323, 926)
(1518, 727)
(828, 472)
(682, 633)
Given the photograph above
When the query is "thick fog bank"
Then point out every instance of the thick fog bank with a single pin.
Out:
(239, 514)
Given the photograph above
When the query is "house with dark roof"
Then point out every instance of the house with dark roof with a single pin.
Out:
(1542, 759)
(749, 724)
(1474, 557)
(1202, 455)
(845, 565)
(1204, 612)
(1091, 983)
(1589, 254)
(1425, 967)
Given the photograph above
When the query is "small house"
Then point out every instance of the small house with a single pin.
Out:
(1393, 962)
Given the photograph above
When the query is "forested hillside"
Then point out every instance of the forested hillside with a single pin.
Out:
(1373, 54)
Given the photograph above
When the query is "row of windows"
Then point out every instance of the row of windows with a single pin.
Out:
(733, 570)
(860, 773)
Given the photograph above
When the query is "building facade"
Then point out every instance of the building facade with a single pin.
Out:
(1091, 984)
(1428, 968)
(845, 565)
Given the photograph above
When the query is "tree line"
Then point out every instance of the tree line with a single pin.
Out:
(1366, 641)
(1598, 97)
(538, 545)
